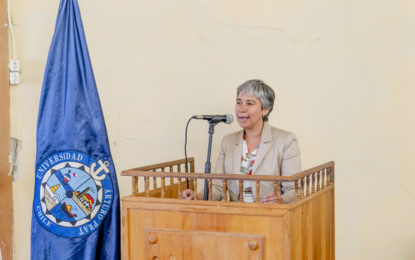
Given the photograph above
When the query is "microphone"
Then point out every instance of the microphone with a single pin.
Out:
(227, 119)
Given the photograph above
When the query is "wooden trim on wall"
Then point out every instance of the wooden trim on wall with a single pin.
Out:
(6, 202)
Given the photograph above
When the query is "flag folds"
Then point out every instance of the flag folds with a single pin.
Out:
(76, 199)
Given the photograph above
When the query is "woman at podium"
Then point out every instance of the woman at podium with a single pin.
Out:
(258, 148)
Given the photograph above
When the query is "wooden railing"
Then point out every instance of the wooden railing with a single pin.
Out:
(305, 183)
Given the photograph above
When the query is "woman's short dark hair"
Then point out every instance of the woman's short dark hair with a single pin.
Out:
(261, 91)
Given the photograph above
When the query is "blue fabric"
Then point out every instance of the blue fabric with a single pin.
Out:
(76, 211)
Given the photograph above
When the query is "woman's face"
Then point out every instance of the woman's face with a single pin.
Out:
(248, 111)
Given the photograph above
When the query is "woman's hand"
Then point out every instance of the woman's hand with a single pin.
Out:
(188, 194)
(271, 198)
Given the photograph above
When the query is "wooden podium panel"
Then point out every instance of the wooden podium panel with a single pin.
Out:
(179, 244)
(226, 219)
(312, 227)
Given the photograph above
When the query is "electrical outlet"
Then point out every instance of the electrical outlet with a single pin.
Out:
(14, 78)
(14, 65)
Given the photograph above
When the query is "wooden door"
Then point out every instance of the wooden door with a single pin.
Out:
(6, 205)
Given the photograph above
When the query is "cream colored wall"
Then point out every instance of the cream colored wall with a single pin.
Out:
(344, 73)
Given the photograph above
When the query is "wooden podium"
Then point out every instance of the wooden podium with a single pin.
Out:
(158, 224)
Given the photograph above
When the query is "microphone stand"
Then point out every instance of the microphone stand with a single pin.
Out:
(212, 124)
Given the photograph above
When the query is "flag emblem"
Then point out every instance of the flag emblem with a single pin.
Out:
(73, 193)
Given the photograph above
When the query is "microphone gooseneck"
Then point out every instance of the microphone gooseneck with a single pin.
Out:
(213, 120)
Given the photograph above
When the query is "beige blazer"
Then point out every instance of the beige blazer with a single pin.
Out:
(278, 154)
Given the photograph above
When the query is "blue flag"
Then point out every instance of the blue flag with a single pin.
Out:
(76, 200)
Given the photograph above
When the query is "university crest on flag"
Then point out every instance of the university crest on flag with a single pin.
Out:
(73, 193)
(76, 211)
